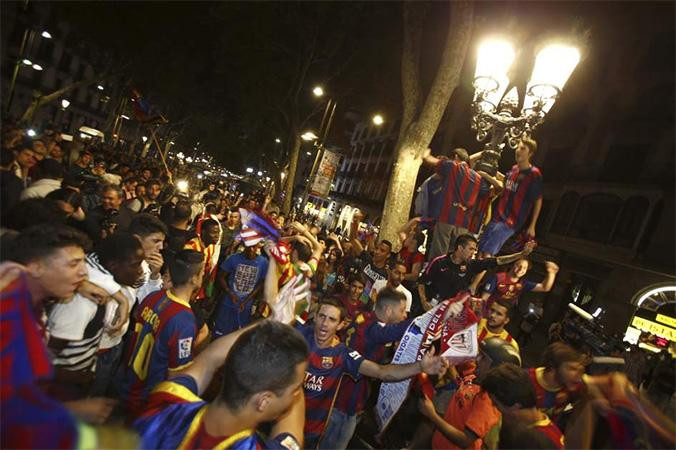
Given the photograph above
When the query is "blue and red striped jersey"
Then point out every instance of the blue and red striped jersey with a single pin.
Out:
(461, 190)
(368, 336)
(522, 189)
(30, 419)
(325, 369)
(502, 287)
(482, 207)
(550, 400)
(174, 415)
(162, 341)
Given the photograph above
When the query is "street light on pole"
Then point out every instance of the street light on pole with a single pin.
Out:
(496, 112)
(65, 104)
(26, 44)
(318, 91)
(378, 120)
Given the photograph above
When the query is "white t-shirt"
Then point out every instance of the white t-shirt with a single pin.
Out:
(380, 284)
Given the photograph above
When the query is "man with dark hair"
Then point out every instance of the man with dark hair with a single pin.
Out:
(461, 186)
(263, 365)
(521, 197)
(471, 420)
(164, 333)
(241, 278)
(53, 262)
(81, 165)
(151, 231)
(559, 380)
(76, 327)
(493, 325)
(147, 201)
(108, 217)
(395, 275)
(205, 243)
(351, 299)
(49, 175)
(178, 229)
(512, 393)
(231, 228)
(508, 285)
(372, 267)
(330, 359)
(34, 211)
(368, 335)
(452, 273)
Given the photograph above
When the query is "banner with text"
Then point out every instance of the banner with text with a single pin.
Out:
(326, 172)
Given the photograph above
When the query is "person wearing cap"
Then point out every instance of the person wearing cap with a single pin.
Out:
(471, 420)
(50, 174)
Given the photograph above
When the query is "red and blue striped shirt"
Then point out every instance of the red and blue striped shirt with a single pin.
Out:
(174, 418)
(325, 369)
(162, 341)
(522, 189)
(461, 190)
(368, 336)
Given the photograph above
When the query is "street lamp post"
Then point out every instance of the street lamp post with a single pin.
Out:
(496, 113)
(26, 43)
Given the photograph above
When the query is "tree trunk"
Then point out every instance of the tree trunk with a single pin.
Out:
(291, 178)
(418, 130)
(42, 100)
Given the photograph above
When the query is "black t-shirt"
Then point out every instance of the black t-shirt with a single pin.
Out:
(371, 272)
(444, 279)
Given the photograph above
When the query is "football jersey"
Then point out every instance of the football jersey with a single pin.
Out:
(550, 430)
(162, 341)
(522, 189)
(368, 336)
(326, 367)
(35, 421)
(460, 194)
(501, 286)
(485, 333)
(174, 416)
(550, 400)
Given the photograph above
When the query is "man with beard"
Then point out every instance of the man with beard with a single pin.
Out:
(395, 275)
(144, 202)
(494, 325)
(164, 332)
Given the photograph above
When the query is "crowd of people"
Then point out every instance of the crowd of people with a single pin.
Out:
(135, 314)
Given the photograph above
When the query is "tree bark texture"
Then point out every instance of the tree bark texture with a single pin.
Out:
(291, 177)
(419, 125)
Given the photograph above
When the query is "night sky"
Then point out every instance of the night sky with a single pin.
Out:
(226, 68)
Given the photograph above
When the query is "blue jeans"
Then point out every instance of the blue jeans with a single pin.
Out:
(339, 430)
(106, 369)
(494, 236)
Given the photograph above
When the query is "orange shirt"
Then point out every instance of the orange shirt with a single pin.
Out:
(470, 408)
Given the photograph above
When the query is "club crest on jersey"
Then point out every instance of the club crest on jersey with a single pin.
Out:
(327, 362)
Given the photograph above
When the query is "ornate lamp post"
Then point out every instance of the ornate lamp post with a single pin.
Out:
(496, 113)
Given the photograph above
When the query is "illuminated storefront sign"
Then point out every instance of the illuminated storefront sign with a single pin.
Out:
(654, 328)
(666, 320)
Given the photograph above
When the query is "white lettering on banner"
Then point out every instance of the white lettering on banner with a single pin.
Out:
(411, 349)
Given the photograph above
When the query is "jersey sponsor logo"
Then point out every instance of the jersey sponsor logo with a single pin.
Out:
(184, 347)
(313, 382)
(327, 362)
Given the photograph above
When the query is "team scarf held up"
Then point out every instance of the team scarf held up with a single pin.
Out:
(459, 343)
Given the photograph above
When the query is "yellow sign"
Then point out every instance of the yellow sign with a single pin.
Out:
(666, 319)
(654, 328)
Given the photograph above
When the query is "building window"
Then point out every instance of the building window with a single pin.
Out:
(596, 217)
(632, 217)
(565, 212)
